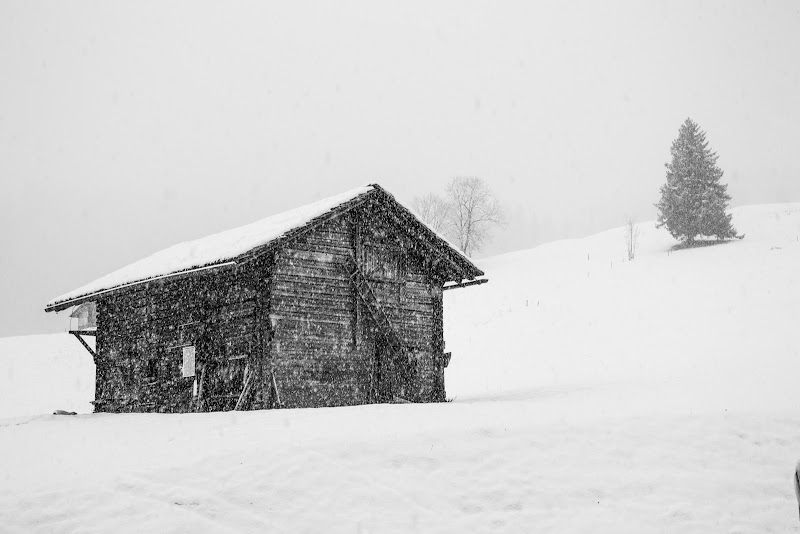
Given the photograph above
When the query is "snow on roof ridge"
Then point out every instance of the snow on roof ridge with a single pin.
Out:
(212, 249)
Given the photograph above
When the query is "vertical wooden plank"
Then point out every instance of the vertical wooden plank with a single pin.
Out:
(268, 333)
(356, 304)
(438, 393)
(199, 405)
(100, 349)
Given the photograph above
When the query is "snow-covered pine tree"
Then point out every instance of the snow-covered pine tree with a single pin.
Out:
(693, 201)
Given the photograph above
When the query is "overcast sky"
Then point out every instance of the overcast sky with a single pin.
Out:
(126, 127)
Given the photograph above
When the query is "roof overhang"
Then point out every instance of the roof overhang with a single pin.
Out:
(63, 305)
(466, 284)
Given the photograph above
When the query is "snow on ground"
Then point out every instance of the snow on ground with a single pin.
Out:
(40, 374)
(592, 394)
(724, 317)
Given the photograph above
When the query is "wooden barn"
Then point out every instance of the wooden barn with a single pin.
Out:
(331, 304)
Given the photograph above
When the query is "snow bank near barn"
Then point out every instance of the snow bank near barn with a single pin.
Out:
(39, 374)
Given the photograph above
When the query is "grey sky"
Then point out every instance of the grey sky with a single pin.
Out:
(127, 127)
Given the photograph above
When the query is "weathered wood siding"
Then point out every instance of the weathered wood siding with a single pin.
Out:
(140, 335)
(400, 275)
(291, 315)
(312, 305)
(326, 349)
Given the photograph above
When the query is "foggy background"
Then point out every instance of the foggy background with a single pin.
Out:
(128, 127)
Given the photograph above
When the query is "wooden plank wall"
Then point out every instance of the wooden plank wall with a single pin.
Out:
(294, 313)
(324, 341)
(410, 296)
(312, 305)
(140, 335)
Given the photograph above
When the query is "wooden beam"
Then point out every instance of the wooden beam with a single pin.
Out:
(277, 393)
(248, 382)
(83, 332)
(86, 345)
(465, 284)
(199, 404)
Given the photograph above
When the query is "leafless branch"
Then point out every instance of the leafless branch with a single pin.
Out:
(434, 211)
(474, 212)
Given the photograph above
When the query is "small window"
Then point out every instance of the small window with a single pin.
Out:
(188, 367)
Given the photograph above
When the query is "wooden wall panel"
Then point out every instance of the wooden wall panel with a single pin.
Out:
(294, 310)
(313, 306)
(141, 334)
(410, 297)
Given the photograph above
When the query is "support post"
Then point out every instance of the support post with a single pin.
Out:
(199, 404)
(277, 393)
(465, 284)
(86, 345)
(248, 382)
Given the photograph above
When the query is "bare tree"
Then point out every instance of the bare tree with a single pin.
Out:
(434, 211)
(631, 237)
(474, 212)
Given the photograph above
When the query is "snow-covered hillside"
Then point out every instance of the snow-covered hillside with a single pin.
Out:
(722, 321)
(592, 394)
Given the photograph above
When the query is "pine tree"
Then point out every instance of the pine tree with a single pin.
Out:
(693, 201)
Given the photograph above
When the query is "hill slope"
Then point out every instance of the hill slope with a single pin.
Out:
(721, 320)
(592, 395)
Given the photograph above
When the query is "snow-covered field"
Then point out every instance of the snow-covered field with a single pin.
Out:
(39, 374)
(591, 394)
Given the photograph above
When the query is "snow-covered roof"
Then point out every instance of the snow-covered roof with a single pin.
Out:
(215, 250)
(211, 250)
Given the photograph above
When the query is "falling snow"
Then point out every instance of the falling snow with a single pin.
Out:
(566, 418)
